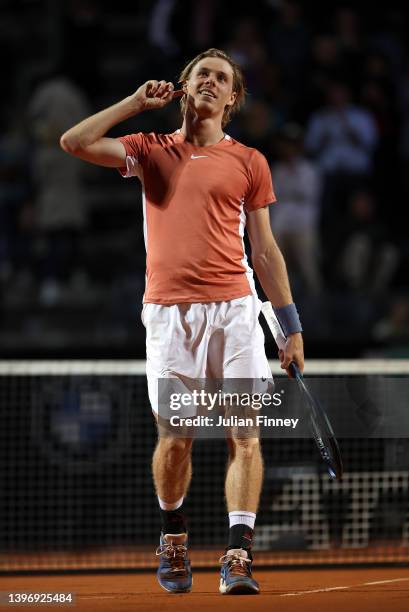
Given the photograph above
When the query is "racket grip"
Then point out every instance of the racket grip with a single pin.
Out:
(294, 370)
(273, 324)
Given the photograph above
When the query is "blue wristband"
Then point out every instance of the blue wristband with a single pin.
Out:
(289, 320)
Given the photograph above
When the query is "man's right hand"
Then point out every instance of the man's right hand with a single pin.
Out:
(153, 94)
(87, 139)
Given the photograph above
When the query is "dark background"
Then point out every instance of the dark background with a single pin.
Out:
(71, 244)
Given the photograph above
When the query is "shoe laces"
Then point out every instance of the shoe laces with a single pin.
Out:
(175, 553)
(238, 565)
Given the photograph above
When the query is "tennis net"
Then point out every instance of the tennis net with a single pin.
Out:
(76, 441)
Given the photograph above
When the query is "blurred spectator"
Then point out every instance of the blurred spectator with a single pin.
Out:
(10, 48)
(259, 121)
(246, 46)
(294, 219)
(394, 327)
(14, 196)
(350, 42)
(389, 39)
(403, 140)
(362, 262)
(378, 94)
(82, 31)
(182, 25)
(272, 89)
(160, 34)
(367, 259)
(377, 67)
(203, 23)
(288, 43)
(247, 49)
(342, 138)
(381, 105)
(60, 212)
(325, 65)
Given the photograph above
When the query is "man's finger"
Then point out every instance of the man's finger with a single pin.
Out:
(162, 89)
(285, 365)
(151, 88)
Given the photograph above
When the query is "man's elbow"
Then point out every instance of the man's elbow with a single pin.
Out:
(69, 144)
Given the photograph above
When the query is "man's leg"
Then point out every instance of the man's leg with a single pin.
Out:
(171, 467)
(172, 471)
(244, 479)
(176, 347)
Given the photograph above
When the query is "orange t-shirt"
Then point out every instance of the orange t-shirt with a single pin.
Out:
(195, 200)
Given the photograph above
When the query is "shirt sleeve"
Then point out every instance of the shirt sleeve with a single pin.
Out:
(136, 148)
(261, 192)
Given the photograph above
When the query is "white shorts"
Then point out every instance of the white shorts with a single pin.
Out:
(216, 340)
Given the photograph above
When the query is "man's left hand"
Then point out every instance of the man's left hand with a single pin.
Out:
(293, 351)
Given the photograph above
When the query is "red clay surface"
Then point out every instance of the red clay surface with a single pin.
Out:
(360, 590)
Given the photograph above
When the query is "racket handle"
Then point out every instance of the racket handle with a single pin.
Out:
(274, 325)
(294, 370)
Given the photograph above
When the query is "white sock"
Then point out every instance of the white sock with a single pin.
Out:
(174, 506)
(242, 517)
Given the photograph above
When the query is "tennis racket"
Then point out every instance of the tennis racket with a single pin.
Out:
(321, 427)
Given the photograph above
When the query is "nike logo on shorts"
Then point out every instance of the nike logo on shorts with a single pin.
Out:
(197, 156)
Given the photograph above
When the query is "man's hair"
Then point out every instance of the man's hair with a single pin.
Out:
(238, 81)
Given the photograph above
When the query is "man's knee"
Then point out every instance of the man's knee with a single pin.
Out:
(244, 447)
(177, 447)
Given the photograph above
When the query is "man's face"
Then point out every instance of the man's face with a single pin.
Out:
(210, 86)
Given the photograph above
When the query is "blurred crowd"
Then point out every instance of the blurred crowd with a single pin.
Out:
(327, 104)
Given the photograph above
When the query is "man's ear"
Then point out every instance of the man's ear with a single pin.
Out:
(184, 86)
(232, 99)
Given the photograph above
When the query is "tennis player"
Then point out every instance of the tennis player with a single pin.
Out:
(201, 188)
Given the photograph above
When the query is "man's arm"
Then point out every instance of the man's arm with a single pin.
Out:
(271, 271)
(87, 140)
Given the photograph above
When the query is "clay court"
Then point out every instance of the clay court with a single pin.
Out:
(284, 590)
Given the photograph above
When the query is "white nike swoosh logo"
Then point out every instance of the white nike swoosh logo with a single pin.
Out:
(197, 156)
